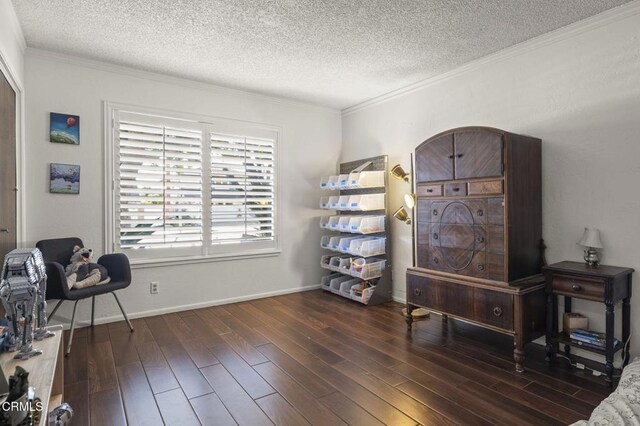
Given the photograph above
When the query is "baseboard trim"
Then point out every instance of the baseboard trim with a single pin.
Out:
(180, 308)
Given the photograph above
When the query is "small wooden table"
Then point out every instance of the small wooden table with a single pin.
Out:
(46, 373)
(604, 284)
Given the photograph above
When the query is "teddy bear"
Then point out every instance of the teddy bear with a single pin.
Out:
(81, 272)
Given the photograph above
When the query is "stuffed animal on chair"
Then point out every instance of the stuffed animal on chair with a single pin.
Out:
(81, 272)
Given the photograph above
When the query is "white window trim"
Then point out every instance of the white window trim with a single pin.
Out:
(215, 254)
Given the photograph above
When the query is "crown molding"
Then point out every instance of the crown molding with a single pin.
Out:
(572, 30)
(170, 79)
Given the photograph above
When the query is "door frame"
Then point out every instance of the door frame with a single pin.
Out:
(17, 87)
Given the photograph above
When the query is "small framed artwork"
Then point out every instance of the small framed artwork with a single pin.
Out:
(64, 128)
(64, 179)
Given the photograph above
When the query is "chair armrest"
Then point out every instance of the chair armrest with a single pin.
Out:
(118, 267)
(57, 287)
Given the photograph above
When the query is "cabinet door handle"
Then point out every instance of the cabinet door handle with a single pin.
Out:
(459, 156)
(576, 287)
(455, 189)
(452, 156)
(435, 260)
(480, 239)
(417, 292)
(497, 311)
(429, 190)
(435, 236)
(435, 212)
(5, 230)
(480, 213)
(481, 266)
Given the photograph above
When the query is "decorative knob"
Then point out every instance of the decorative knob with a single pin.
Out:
(481, 266)
(435, 212)
(576, 287)
(480, 239)
(456, 189)
(480, 212)
(417, 292)
(430, 190)
(459, 155)
(435, 260)
(435, 236)
(497, 311)
(451, 156)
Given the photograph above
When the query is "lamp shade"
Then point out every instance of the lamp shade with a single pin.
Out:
(401, 214)
(591, 238)
(410, 200)
(398, 172)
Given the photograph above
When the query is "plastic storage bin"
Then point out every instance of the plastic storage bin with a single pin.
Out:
(333, 202)
(345, 286)
(362, 296)
(332, 182)
(324, 222)
(343, 202)
(343, 223)
(366, 179)
(334, 284)
(326, 280)
(344, 243)
(366, 202)
(325, 241)
(325, 261)
(333, 223)
(340, 263)
(324, 183)
(365, 247)
(343, 181)
(366, 224)
(370, 270)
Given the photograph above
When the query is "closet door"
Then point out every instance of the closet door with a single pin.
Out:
(478, 154)
(7, 167)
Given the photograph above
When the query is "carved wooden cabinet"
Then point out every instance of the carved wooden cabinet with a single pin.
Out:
(478, 232)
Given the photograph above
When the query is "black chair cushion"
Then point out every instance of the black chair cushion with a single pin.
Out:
(83, 293)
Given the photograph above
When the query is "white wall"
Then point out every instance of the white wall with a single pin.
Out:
(12, 42)
(579, 91)
(309, 146)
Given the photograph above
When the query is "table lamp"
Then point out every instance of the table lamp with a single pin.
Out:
(591, 240)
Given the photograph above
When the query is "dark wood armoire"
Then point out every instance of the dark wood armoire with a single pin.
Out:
(478, 232)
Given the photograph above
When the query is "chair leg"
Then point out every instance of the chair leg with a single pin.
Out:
(73, 323)
(93, 308)
(123, 312)
(55, 309)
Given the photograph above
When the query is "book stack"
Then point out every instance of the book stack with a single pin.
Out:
(590, 339)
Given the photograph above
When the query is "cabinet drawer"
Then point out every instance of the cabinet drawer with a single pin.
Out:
(430, 191)
(455, 189)
(493, 308)
(486, 187)
(581, 287)
(443, 296)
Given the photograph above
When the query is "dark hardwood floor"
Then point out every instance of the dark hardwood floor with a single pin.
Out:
(313, 358)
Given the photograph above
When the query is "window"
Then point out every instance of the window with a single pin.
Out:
(186, 187)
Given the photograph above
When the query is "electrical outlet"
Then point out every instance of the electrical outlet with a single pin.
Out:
(154, 287)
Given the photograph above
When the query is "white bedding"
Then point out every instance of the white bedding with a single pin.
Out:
(622, 407)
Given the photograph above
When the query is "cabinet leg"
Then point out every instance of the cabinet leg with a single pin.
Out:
(445, 318)
(626, 329)
(608, 369)
(408, 317)
(610, 321)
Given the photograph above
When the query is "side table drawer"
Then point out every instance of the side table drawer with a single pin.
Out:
(581, 287)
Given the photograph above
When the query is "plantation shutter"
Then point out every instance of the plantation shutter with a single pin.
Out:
(242, 189)
(159, 180)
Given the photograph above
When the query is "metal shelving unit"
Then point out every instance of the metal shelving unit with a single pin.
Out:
(359, 241)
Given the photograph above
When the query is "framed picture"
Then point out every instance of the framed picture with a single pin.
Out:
(64, 179)
(64, 128)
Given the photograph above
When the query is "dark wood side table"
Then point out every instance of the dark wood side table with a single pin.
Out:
(604, 284)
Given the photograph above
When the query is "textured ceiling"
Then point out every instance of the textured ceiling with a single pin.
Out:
(333, 52)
